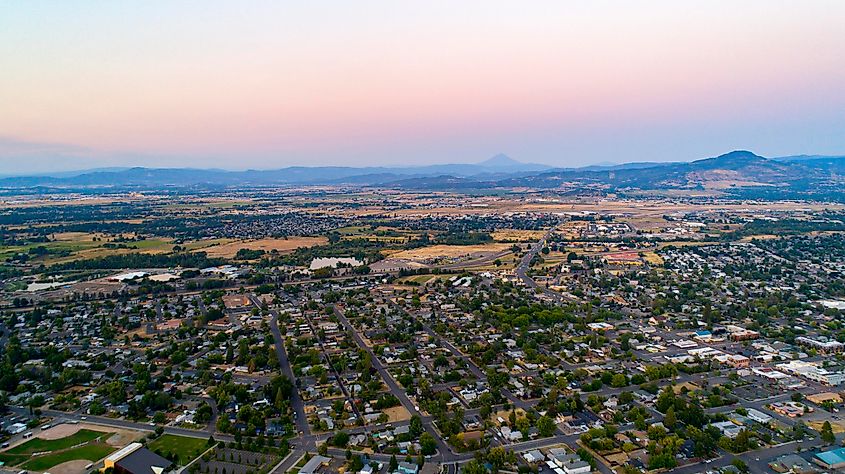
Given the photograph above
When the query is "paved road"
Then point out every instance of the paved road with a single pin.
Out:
(521, 272)
(127, 424)
(334, 370)
(756, 460)
(393, 386)
(285, 367)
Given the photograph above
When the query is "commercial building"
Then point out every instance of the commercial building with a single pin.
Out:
(813, 372)
(831, 459)
(824, 346)
(758, 416)
(136, 459)
(314, 464)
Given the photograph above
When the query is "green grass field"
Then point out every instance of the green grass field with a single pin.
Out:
(13, 459)
(185, 449)
(60, 450)
(91, 452)
(37, 445)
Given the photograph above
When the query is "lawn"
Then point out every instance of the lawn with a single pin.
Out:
(13, 459)
(185, 449)
(37, 445)
(91, 451)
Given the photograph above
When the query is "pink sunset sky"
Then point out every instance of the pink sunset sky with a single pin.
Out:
(271, 84)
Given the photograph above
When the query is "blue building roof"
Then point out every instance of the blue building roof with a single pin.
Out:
(832, 457)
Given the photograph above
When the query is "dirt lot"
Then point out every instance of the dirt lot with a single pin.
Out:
(70, 467)
(505, 415)
(836, 426)
(120, 437)
(398, 413)
(228, 250)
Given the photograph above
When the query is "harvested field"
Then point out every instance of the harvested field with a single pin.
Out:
(517, 235)
(450, 251)
(419, 279)
(652, 258)
(228, 250)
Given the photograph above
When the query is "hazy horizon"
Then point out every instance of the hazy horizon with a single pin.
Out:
(267, 85)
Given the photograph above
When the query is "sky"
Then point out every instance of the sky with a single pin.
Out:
(235, 85)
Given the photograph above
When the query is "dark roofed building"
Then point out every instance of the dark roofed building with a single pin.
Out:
(136, 459)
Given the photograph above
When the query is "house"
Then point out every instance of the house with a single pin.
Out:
(510, 435)
(533, 456)
(728, 428)
(136, 459)
(792, 463)
(408, 468)
(688, 448)
(644, 396)
(568, 462)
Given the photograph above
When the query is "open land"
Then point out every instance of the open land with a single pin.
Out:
(526, 329)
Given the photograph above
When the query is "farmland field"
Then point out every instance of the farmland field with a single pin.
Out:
(450, 251)
(517, 235)
(419, 279)
(229, 249)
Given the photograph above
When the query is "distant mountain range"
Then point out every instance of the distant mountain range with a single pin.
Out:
(738, 173)
(497, 167)
(741, 173)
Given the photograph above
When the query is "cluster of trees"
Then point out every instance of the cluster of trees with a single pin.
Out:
(140, 260)
(464, 238)
(249, 254)
(362, 249)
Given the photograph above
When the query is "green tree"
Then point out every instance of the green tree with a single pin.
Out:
(473, 467)
(546, 426)
(669, 421)
(827, 433)
(740, 465)
(415, 427)
(428, 445)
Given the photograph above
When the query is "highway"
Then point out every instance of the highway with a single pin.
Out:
(521, 272)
